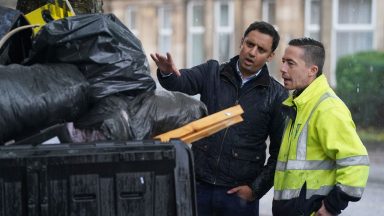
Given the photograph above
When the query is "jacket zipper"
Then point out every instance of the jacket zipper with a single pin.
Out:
(219, 157)
(291, 129)
(226, 130)
(222, 142)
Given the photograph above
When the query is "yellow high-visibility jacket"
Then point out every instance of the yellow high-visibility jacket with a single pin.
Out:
(321, 158)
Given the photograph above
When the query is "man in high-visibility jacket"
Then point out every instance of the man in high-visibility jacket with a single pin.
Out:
(322, 163)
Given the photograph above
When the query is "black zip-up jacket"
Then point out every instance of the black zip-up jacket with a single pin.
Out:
(236, 155)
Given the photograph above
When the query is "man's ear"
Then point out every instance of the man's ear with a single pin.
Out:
(241, 42)
(270, 56)
(313, 71)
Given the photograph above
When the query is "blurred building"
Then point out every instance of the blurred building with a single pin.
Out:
(196, 30)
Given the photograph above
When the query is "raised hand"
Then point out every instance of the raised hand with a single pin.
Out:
(165, 63)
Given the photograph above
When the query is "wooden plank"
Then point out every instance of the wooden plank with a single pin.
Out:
(190, 138)
(205, 126)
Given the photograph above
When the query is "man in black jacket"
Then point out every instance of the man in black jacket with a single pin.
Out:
(230, 165)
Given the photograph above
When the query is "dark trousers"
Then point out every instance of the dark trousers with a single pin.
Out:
(214, 201)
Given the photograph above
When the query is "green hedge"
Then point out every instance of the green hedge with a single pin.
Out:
(360, 84)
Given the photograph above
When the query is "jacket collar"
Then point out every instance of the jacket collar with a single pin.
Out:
(229, 71)
(317, 88)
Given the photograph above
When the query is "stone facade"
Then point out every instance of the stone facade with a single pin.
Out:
(289, 19)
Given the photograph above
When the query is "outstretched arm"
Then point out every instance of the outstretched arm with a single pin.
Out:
(165, 63)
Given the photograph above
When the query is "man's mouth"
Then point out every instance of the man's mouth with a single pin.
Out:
(248, 61)
(286, 80)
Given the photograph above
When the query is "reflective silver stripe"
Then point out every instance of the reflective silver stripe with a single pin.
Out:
(280, 166)
(285, 194)
(351, 191)
(301, 151)
(323, 191)
(306, 165)
(290, 193)
(322, 164)
(353, 161)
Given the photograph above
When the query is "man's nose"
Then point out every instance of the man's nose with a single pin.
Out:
(253, 51)
(283, 68)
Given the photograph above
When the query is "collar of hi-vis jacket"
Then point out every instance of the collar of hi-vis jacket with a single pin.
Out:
(317, 88)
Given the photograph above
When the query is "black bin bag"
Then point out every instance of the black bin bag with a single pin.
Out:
(106, 52)
(147, 115)
(16, 47)
(35, 97)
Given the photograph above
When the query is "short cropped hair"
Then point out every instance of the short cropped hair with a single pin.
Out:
(265, 28)
(314, 52)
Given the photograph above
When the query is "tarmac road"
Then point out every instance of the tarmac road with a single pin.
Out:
(372, 202)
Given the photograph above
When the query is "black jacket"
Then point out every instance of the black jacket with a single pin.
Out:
(236, 155)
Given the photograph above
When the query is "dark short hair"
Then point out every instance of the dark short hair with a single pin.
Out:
(314, 52)
(265, 28)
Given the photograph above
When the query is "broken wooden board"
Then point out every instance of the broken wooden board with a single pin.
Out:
(204, 127)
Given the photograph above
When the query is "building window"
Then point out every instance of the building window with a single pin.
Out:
(224, 27)
(269, 11)
(269, 15)
(353, 28)
(165, 29)
(196, 30)
(312, 19)
(130, 20)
